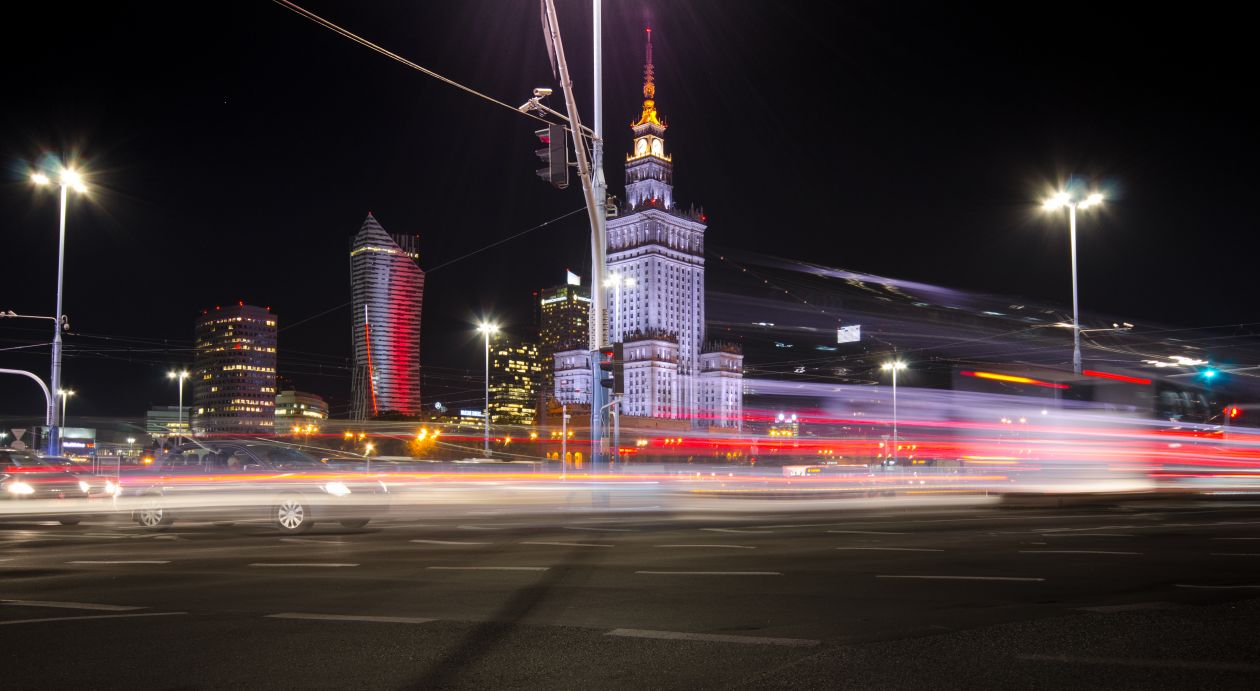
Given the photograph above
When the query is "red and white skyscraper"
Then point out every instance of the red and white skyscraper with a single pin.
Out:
(387, 289)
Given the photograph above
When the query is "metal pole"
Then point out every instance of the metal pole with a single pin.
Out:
(487, 411)
(1076, 316)
(50, 408)
(54, 436)
(564, 440)
(179, 426)
(894, 444)
(64, 399)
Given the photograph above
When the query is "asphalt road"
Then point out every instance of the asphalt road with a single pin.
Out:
(1138, 595)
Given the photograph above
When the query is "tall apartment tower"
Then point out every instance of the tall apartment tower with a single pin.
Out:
(564, 312)
(656, 304)
(515, 374)
(387, 293)
(234, 371)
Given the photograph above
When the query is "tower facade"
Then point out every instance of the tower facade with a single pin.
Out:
(234, 371)
(562, 324)
(387, 294)
(515, 374)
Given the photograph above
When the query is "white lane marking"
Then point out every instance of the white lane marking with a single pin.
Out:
(737, 530)
(710, 573)
(1130, 607)
(70, 605)
(307, 541)
(93, 616)
(1236, 538)
(120, 561)
(892, 549)
(351, 617)
(936, 520)
(712, 546)
(1071, 551)
(487, 568)
(713, 638)
(1234, 554)
(600, 530)
(306, 565)
(449, 542)
(1215, 587)
(477, 527)
(962, 578)
(865, 532)
(569, 544)
(1088, 535)
(1145, 662)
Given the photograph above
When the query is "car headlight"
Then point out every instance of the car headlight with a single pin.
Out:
(84, 486)
(20, 488)
(111, 489)
(337, 489)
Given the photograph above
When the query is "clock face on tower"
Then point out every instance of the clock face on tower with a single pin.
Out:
(658, 148)
(640, 147)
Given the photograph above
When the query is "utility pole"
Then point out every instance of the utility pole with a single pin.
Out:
(594, 188)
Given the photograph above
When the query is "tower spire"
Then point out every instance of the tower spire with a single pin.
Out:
(649, 84)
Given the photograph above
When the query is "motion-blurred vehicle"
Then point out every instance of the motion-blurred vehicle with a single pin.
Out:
(244, 481)
(32, 489)
(98, 486)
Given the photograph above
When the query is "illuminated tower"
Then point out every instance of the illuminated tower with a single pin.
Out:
(234, 371)
(563, 314)
(656, 307)
(387, 292)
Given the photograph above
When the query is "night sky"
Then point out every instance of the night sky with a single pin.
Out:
(233, 153)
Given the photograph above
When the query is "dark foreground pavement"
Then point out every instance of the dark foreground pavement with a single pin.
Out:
(1140, 595)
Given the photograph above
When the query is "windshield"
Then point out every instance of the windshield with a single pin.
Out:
(283, 458)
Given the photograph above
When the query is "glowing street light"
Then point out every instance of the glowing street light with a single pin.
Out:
(1054, 203)
(894, 366)
(616, 281)
(487, 329)
(69, 179)
(180, 375)
(65, 395)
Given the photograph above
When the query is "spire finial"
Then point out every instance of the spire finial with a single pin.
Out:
(649, 84)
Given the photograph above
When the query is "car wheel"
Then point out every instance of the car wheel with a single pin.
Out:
(292, 515)
(68, 521)
(153, 517)
(355, 522)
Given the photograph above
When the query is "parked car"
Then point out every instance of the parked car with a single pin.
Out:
(233, 481)
(32, 489)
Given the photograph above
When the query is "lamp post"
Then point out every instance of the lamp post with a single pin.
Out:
(616, 281)
(179, 376)
(1055, 203)
(895, 366)
(67, 180)
(487, 329)
(65, 395)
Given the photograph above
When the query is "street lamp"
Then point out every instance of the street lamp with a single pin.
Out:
(67, 180)
(65, 396)
(616, 281)
(487, 329)
(894, 366)
(1055, 203)
(179, 376)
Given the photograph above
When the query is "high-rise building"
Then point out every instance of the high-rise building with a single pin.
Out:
(564, 312)
(387, 289)
(655, 304)
(515, 375)
(234, 371)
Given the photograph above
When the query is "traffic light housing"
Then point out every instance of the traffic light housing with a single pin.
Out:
(612, 360)
(1233, 412)
(553, 155)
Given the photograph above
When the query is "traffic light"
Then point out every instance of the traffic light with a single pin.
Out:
(612, 360)
(554, 156)
(1233, 411)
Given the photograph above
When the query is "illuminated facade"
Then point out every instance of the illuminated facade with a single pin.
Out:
(300, 412)
(515, 375)
(564, 312)
(387, 289)
(573, 376)
(234, 371)
(656, 253)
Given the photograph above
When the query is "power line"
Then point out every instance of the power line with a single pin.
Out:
(394, 56)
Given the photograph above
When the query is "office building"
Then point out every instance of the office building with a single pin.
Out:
(564, 314)
(234, 371)
(387, 293)
(515, 376)
(300, 412)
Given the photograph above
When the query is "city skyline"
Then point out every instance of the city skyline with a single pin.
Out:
(983, 148)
